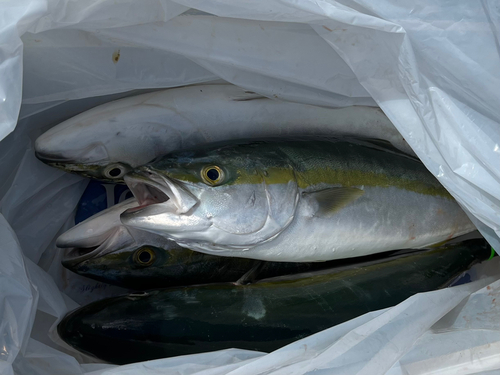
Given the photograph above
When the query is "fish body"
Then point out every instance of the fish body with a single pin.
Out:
(103, 249)
(290, 200)
(263, 316)
(109, 140)
(148, 267)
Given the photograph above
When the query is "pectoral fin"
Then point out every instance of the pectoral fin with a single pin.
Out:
(250, 275)
(332, 200)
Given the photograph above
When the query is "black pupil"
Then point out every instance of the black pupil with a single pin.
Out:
(115, 172)
(145, 257)
(213, 174)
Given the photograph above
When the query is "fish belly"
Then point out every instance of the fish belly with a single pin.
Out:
(383, 219)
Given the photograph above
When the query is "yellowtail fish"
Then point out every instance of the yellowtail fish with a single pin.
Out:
(108, 141)
(294, 201)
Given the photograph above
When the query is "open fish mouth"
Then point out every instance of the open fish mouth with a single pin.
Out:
(154, 189)
(145, 191)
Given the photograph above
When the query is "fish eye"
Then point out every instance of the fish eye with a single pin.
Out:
(144, 257)
(212, 175)
(115, 171)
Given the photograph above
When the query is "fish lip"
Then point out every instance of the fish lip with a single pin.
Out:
(74, 256)
(74, 166)
(152, 188)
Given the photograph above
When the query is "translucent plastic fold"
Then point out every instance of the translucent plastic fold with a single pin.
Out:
(433, 68)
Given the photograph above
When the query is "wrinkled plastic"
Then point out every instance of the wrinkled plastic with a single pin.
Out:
(432, 67)
(424, 66)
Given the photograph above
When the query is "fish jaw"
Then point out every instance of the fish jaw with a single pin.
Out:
(168, 224)
(100, 167)
(151, 188)
(113, 241)
(119, 244)
(91, 162)
(94, 230)
(98, 235)
(116, 268)
(112, 258)
(65, 147)
(165, 206)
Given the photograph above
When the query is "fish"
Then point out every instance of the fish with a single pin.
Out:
(101, 234)
(263, 316)
(103, 249)
(110, 140)
(293, 200)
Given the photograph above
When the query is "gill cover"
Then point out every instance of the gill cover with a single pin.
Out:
(242, 199)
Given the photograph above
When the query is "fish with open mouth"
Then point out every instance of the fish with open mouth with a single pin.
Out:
(293, 200)
(109, 140)
(263, 316)
(103, 249)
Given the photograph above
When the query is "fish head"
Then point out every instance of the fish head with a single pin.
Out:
(100, 234)
(79, 254)
(136, 267)
(103, 249)
(101, 328)
(103, 234)
(109, 140)
(219, 198)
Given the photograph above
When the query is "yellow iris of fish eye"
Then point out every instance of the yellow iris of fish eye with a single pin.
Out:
(212, 175)
(144, 257)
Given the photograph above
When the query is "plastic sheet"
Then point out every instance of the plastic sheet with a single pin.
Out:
(75, 56)
(432, 67)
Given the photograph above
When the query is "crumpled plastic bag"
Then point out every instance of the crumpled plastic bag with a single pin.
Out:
(432, 67)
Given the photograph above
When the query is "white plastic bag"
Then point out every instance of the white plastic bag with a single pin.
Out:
(432, 67)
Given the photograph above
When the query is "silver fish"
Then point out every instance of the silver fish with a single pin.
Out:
(294, 201)
(103, 233)
(103, 249)
(108, 141)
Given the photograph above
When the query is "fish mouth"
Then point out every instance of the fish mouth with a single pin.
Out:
(74, 256)
(145, 191)
(158, 193)
(103, 171)
(118, 239)
(92, 161)
(65, 163)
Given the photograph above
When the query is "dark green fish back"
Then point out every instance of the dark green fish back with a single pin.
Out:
(333, 161)
(263, 316)
(182, 267)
